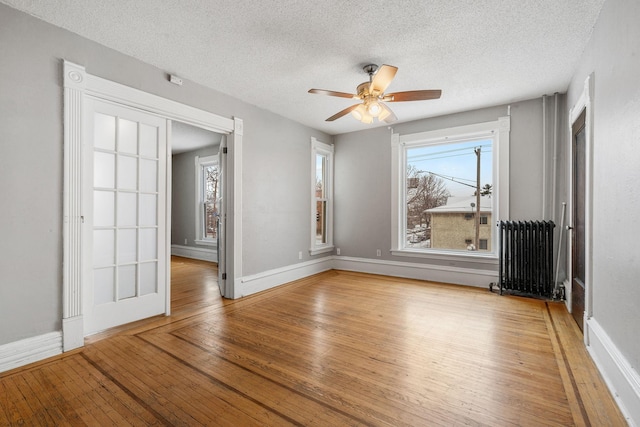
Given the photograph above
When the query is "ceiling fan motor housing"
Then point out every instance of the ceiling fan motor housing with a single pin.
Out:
(363, 90)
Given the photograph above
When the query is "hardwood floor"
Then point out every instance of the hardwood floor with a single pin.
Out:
(334, 349)
(194, 284)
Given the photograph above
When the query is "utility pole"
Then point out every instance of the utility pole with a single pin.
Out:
(477, 219)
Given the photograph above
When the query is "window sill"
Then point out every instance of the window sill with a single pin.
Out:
(208, 242)
(477, 257)
(321, 250)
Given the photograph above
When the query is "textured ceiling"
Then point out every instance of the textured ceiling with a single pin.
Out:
(269, 53)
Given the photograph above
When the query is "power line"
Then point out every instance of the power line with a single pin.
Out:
(432, 156)
(424, 157)
(452, 178)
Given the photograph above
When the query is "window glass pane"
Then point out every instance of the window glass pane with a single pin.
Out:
(148, 175)
(148, 278)
(441, 186)
(103, 208)
(104, 129)
(210, 184)
(104, 170)
(127, 136)
(148, 244)
(148, 209)
(321, 222)
(126, 282)
(127, 172)
(321, 162)
(127, 209)
(127, 245)
(148, 141)
(104, 247)
(103, 285)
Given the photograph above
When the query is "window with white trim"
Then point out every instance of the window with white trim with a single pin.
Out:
(321, 197)
(207, 200)
(450, 186)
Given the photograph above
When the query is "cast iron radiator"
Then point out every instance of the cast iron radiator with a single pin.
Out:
(526, 258)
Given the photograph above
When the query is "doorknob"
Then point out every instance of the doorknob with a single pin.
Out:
(569, 227)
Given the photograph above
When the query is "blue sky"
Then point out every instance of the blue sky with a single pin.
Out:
(456, 162)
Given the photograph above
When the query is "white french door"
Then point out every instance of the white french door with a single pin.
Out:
(125, 215)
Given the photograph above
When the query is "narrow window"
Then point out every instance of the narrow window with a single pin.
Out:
(322, 197)
(207, 200)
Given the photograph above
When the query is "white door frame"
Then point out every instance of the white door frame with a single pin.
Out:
(78, 85)
(583, 102)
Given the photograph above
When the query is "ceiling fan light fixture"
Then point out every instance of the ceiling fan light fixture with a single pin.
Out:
(367, 119)
(359, 112)
(384, 113)
(374, 108)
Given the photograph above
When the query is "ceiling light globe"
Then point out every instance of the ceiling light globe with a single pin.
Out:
(384, 114)
(359, 112)
(374, 109)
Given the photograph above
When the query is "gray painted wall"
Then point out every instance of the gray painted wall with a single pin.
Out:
(363, 176)
(276, 166)
(612, 59)
(183, 195)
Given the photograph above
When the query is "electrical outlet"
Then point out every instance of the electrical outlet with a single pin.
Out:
(378, 253)
(337, 251)
(186, 242)
(300, 255)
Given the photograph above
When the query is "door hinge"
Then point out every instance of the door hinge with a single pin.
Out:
(224, 150)
(224, 276)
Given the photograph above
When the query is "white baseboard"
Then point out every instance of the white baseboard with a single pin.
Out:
(567, 295)
(435, 273)
(248, 285)
(203, 254)
(623, 381)
(72, 333)
(29, 350)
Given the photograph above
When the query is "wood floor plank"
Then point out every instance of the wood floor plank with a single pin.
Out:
(289, 401)
(338, 348)
(194, 398)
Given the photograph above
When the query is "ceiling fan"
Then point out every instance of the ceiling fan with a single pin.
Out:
(373, 97)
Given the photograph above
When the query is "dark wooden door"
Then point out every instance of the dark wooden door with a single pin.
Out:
(578, 255)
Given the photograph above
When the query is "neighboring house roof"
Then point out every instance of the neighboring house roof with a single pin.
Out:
(463, 205)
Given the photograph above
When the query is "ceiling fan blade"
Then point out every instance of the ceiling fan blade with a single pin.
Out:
(342, 113)
(382, 79)
(413, 95)
(333, 93)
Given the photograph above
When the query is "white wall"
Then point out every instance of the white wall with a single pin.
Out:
(31, 163)
(612, 59)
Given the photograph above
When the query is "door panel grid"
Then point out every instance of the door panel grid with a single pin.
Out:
(125, 214)
(127, 218)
